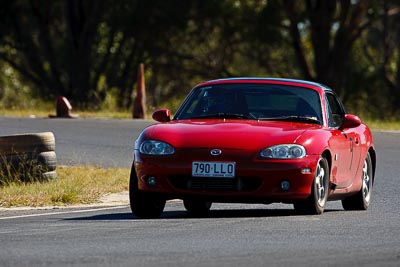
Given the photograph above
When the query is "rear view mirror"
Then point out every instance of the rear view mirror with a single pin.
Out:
(162, 115)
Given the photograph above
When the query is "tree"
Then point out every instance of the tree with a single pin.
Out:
(81, 48)
(391, 50)
(50, 44)
(88, 49)
(332, 27)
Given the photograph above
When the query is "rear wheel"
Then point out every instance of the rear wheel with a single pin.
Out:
(362, 199)
(197, 207)
(143, 204)
(315, 204)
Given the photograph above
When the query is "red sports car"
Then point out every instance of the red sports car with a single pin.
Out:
(254, 140)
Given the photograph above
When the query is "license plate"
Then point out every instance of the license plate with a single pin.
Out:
(213, 169)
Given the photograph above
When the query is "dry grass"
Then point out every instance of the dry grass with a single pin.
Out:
(75, 185)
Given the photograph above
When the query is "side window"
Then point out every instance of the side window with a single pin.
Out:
(335, 111)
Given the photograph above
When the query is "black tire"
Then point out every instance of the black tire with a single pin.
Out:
(362, 199)
(315, 204)
(27, 143)
(29, 167)
(46, 160)
(143, 204)
(28, 157)
(197, 207)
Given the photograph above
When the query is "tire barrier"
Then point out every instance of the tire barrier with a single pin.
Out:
(28, 157)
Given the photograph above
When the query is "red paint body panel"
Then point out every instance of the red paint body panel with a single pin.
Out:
(241, 140)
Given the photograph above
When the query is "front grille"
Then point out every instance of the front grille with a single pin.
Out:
(215, 184)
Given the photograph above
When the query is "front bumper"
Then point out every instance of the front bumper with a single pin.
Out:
(256, 180)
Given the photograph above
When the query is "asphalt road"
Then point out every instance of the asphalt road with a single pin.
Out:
(232, 235)
(98, 142)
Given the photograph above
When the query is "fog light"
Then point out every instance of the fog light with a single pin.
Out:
(152, 181)
(285, 185)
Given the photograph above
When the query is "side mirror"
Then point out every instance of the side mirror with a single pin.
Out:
(350, 121)
(162, 115)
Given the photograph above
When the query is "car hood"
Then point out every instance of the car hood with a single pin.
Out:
(232, 134)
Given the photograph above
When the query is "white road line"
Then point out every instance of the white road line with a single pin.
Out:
(62, 212)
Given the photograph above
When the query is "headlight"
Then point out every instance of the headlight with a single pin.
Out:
(289, 151)
(152, 147)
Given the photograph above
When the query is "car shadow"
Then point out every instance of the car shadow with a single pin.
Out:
(212, 214)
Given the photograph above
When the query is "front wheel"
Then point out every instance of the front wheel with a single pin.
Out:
(316, 202)
(143, 204)
(362, 199)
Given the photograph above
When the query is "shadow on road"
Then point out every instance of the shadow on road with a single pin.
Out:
(232, 213)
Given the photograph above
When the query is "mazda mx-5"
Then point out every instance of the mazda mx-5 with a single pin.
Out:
(254, 140)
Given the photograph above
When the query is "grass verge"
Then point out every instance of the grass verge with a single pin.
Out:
(75, 185)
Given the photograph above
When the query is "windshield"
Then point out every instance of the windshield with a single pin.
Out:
(253, 101)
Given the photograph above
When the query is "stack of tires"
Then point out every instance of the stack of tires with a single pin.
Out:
(28, 157)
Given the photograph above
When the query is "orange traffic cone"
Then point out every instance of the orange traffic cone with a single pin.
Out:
(139, 106)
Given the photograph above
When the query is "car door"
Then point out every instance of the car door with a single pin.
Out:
(343, 144)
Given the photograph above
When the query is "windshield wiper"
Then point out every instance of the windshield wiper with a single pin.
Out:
(293, 118)
(222, 116)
